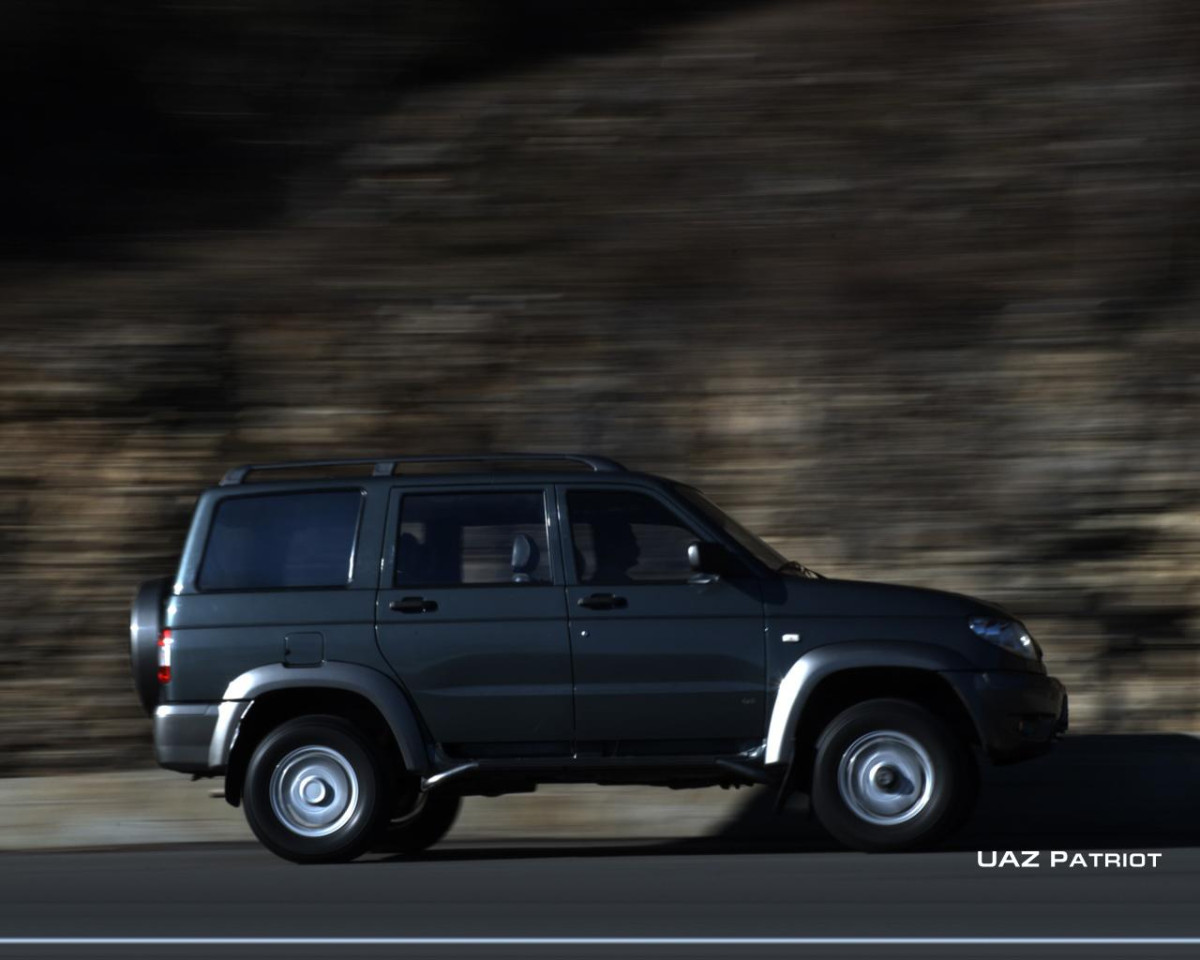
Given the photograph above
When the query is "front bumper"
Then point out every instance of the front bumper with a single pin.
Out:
(1017, 715)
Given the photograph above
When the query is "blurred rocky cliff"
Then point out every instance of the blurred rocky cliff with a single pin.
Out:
(909, 288)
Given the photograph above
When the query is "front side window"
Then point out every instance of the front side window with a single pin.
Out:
(624, 537)
(280, 541)
(765, 554)
(456, 539)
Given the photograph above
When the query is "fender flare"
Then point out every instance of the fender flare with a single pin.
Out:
(821, 662)
(381, 691)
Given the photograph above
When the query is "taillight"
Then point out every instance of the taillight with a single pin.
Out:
(165, 640)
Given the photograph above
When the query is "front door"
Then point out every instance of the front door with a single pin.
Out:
(471, 617)
(665, 662)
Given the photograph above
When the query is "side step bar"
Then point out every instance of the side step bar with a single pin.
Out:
(437, 779)
(748, 772)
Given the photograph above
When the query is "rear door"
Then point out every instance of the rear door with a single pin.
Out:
(664, 661)
(472, 618)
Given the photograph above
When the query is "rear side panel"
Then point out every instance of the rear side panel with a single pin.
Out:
(220, 634)
(219, 637)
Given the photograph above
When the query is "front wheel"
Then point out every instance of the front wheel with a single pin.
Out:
(889, 775)
(317, 791)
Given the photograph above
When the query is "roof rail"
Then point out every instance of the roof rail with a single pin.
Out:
(386, 466)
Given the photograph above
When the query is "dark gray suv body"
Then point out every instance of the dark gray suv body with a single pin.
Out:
(355, 653)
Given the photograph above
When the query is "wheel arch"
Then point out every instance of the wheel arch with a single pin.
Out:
(260, 699)
(826, 680)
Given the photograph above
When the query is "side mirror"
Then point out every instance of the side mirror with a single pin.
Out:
(710, 558)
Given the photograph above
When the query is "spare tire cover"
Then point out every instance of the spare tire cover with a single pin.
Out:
(145, 622)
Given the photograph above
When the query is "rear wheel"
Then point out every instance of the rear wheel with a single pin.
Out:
(429, 820)
(317, 791)
(889, 775)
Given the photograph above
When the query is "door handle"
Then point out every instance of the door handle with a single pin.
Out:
(603, 601)
(413, 605)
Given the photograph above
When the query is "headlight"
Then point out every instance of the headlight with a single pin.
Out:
(1009, 634)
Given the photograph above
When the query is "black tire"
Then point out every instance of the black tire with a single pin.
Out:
(871, 789)
(300, 752)
(424, 827)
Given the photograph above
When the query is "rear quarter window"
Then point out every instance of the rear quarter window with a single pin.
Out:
(281, 541)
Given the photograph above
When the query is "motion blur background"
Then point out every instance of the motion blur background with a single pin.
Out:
(909, 288)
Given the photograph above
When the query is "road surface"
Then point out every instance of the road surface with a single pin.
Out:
(1112, 794)
(708, 888)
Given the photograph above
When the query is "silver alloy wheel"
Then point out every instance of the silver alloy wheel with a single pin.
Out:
(886, 778)
(314, 791)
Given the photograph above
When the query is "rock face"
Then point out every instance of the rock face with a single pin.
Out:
(909, 288)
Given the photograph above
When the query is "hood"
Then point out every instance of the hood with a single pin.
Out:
(861, 598)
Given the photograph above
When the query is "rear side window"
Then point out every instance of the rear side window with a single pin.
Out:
(452, 539)
(278, 541)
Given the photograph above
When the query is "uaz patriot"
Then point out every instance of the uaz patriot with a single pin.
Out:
(355, 653)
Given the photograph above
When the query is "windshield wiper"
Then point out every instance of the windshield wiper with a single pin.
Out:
(802, 570)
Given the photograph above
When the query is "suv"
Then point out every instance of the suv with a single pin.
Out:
(356, 652)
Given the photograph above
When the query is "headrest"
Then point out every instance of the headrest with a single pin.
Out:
(524, 554)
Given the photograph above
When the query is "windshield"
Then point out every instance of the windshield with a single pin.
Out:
(744, 537)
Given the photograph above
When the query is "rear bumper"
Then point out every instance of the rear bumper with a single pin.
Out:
(183, 736)
(1017, 715)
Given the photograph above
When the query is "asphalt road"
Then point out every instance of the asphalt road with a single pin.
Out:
(708, 888)
(1123, 794)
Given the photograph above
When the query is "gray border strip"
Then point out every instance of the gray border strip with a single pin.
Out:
(600, 941)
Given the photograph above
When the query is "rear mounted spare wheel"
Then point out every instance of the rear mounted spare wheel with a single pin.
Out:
(145, 624)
